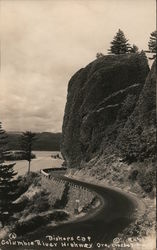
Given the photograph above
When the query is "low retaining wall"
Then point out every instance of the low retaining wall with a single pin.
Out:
(74, 198)
(54, 188)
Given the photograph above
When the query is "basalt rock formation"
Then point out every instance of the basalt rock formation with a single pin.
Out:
(138, 137)
(107, 101)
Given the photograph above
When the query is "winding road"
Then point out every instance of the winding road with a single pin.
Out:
(102, 224)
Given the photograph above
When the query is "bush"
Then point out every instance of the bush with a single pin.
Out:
(133, 175)
(39, 203)
(30, 225)
(147, 180)
(26, 181)
(38, 221)
(20, 206)
(99, 55)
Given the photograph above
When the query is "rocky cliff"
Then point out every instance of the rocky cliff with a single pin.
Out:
(137, 140)
(104, 99)
(109, 131)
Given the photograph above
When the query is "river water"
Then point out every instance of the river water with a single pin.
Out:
(43, 160)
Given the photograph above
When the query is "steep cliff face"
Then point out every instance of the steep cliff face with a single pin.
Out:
(137, 140)
(101, 98)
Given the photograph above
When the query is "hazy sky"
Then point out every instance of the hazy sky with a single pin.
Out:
(44, 42)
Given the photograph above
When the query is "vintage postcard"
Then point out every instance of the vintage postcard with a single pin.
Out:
(78, 124)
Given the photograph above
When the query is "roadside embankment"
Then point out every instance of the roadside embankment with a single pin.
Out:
(143, 226)
(73, 198)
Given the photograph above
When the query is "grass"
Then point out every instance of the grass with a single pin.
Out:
(32, 209)
(22, 228)
(26, 181)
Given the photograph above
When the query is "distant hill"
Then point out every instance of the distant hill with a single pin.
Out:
(45, 141)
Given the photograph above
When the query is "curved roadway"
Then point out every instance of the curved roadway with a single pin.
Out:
(102, 225)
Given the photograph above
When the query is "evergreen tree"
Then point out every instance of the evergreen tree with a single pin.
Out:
(134, 49)
(8, 185)
(152, 44)
(120, 44)
(27, 141)
(3, 143)
(99, 55)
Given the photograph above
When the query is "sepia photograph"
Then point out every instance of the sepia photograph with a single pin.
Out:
(78, 124)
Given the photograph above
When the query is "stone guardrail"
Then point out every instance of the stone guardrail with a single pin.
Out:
(47, 174)
(80, 196)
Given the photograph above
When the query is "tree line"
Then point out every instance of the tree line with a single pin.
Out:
(120, 45)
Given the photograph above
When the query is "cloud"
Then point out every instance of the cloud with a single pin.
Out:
(43, 43)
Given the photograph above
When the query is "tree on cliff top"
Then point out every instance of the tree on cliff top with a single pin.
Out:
(99, 55)
(8, 185)
(134, 49)
(152, 44)
(120, 44)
